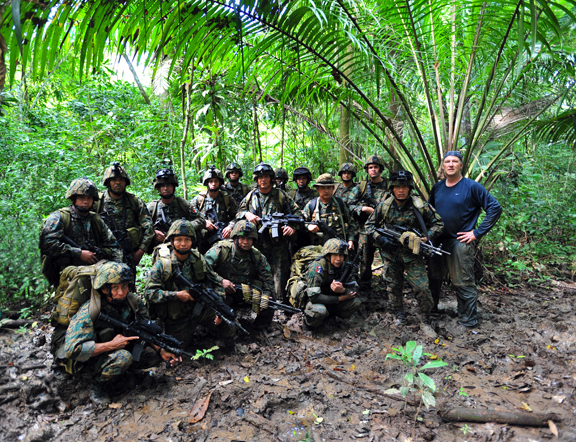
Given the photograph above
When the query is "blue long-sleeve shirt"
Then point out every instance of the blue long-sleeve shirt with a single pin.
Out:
(460, 206)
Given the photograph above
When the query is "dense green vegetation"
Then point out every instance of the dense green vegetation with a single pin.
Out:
(306, 82)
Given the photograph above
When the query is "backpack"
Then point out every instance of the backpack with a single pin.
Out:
(296, 285)
(49, 264)
(74, 290)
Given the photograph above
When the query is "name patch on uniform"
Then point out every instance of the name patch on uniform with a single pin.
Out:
(318, 269)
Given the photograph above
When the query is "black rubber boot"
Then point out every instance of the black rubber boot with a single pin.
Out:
(98, 395)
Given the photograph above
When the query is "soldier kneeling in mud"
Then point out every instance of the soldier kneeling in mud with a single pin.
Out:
(101, 349)
(325, 292)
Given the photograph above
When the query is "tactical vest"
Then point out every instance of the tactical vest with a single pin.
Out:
(315, 214)
(226, 248)
(416, 202)
(135, 233)
(202, 199)
(184, 206)
(251, 205)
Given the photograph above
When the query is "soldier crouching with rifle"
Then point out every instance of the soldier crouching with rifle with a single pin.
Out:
(243, 272)
(177, 301)
(102, 349)
(326, 291)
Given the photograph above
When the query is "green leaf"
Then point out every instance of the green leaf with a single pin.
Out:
(392, 391)
(393, 356)
(409, 377)
(427, 382)
(16, 20)
(433, 364)
(428, 399)
(404, 391)
(417, 355)
(410, 346)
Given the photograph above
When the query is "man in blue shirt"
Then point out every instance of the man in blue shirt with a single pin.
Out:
(459, 201)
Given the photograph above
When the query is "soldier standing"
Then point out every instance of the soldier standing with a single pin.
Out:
(126, 215)
(234, 187)
(330, 209)
(175, 307)
(302, 177)
(326, 294)
(407, 210)
(347, 173)
(88, 233)
(236, 262)
(265, 200)
(217, 207)
(362, 201)
(170, 208)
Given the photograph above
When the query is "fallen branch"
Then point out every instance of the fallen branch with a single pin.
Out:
(15, 323)
(9, 387)
(456, 414)
(9, 398)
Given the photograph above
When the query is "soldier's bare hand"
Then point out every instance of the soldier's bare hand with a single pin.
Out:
(210, 225)
(218, 320)
(119, 342)
(337, 287)
(367, 209)
(137, 256)
(226, 232)
(88, 257)
(254, 219)
(287, 231)
(160, 237)
(184, 296)
(347, 296)
(351, 245)
(167, 356)
(228, 286)
(313, 228)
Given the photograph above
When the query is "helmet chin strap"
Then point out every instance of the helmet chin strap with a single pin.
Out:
(115, 193)
(346, 181)
(183, 252)
(81, 209)
(166, 197)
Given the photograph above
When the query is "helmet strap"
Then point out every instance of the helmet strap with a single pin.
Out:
(81, 210)
(346, 181)
(114, 193)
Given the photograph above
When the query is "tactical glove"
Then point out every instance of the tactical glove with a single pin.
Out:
(413, 241)
(389, 244)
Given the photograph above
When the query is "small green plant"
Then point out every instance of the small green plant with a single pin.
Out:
(22, 329)
(414, 380)
(206, 353)
(465, 429)
(455, 368)
(462, 392)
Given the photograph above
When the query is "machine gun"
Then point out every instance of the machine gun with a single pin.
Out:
(149, 333)
(426, 249)
(212, 213)
(207, 297)
(350, 268)
(275, 220)
(162, 223)
(263, 301)
(89, 245)
(121, 236)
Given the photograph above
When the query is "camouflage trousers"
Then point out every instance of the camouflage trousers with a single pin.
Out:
(367, 258)
(183, 327)
(278, 257)
(417, 278)
(315, 314)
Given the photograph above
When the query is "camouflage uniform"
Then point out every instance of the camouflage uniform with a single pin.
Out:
(238, 192)
(301, 198)
(330, 214)
(344, 192)
(179, 208)
(322, 301)
(226, 213)
(402, 259)
(82, 336)
(239, 267)
(276, 250)
(178, 317)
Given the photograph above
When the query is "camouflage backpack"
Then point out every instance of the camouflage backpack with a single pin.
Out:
(296, 285)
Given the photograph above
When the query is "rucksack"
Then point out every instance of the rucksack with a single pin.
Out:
(296, 285)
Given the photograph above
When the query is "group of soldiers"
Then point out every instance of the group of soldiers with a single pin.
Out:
(238, 241)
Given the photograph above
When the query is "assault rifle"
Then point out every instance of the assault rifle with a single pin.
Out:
(89, 245)
(350, 268)
(212, 213)
(268, 303)
(149, 333)
(275, 220)
(367, 200)
(121, 236)
(426, 248)
(162, 223)
(207, 297)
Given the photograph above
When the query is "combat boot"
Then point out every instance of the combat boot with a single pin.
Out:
(98, 395)
(400, 317)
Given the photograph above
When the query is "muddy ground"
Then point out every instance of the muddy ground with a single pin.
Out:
(278, 386)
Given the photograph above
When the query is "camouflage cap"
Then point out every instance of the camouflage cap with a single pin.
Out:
(113, 273)
(374, 159)
(233, 167)
(299, 171)
(335, 245)
(281, 174)
(115, 171)
(181, 227)
(324, 180)
(262, 169)
(244, 228)
(212, 172)
(401, 178)
(347, 167)
(82, 186)
(165, 176)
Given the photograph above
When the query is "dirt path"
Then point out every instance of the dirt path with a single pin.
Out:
(277, 387)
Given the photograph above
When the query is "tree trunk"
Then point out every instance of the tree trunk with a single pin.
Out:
(136, 79)
(345, 142)
(188, 88)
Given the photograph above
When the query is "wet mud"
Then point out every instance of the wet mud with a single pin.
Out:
(293, 384)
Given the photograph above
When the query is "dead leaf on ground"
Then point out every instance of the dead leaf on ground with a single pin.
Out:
(199, 409)
(558, 399)
(553, 428)
(287, 333)
(526, 407)
(114, 405)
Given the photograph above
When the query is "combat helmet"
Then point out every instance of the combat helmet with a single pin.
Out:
(281, 174)
(374, 159)
(335, 245)
(301, 171)
(347, 167)
(115, 171)
(82, 186)
(113, 273)
(165, 176)
(401, 178)
(181, 227)
(324, 180)
(244, 228)
(233, 167)
(262, 169)
(212, 172)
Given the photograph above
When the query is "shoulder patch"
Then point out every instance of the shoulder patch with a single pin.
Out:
(318, 268)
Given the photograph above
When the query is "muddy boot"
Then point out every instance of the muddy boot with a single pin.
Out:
(427, 328)
(400, 317)
(98, 395)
